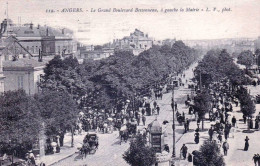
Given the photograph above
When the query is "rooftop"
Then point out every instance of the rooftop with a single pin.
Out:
(24, 62)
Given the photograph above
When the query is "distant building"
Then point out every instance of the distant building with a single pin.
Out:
(24, 74)
(137, 42)
(96, 54)
(257, 43)
(168, 42)
(49, 40)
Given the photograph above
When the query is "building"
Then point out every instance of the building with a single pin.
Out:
(137, 42)
(96, 54)
(257, 43)
(168, 42)
(49, 40)
(10, 49)
(23, 73)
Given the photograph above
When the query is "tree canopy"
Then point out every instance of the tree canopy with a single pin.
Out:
(20, 119)
(209, 155)
(246, 58)
(101, 83)
(139, 153)
(58, 111)
(218, 65)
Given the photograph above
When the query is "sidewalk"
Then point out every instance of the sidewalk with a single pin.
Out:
(65, 151)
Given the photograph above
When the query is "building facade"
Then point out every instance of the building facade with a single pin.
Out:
(137, 42)
(23, 74)
(49, 40)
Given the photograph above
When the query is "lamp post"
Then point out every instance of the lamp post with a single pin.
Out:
(173, 126)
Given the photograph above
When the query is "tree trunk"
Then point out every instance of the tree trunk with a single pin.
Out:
(72, 136)
(202, 123)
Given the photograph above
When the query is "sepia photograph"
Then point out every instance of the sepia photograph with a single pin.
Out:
(129, 83)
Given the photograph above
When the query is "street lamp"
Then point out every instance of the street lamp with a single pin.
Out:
(173, 126)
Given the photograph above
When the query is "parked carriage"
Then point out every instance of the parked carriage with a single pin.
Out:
(90, 144)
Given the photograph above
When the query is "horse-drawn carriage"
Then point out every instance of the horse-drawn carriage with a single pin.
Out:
(90, 144)
(127, 131)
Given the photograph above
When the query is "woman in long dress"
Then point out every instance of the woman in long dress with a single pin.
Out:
(246, 144)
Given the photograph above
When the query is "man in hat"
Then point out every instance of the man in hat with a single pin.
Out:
(143, 119)
(225, 147)
(184, 151)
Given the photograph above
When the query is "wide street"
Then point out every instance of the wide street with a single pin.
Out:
(110, 151)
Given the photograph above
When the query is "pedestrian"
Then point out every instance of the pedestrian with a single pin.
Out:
(256, 159)
(143, 111)
(251, 123)
(189, 157)
(143, 119)
(188, 124)
(220, 138)
(246, 144)
(197, 137)
(184, 151)
(226, 133)
(256, 123)
(185, 127)
(210, 133)
(154, 104)
(225, 147)
(138, 120)
(31, 157)
(244, 118)
(234, 120)
(158, 109)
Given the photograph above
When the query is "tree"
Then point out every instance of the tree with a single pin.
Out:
(202, 104)
(58, 111)
(247, 106)
(216, 65)
(209, 155)
(139, 154)
(246, 58)
(62, 75)
(20, 120)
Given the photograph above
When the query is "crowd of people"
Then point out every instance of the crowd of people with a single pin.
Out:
(223, 122)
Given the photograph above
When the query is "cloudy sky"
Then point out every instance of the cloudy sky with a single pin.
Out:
(102, 27)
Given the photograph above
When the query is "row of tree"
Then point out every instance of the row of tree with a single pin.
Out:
(22, 117)
(248, 58)
(103, 83)
(218, 65)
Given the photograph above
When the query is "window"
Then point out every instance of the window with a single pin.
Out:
(32, 49)
(20, 82)
(27, 48)
(36, 49)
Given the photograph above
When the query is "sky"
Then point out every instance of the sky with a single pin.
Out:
(101, 27)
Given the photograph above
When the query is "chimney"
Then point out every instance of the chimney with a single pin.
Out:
(38, 27)
(62, 31)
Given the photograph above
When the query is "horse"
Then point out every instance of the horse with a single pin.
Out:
(85, 150)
